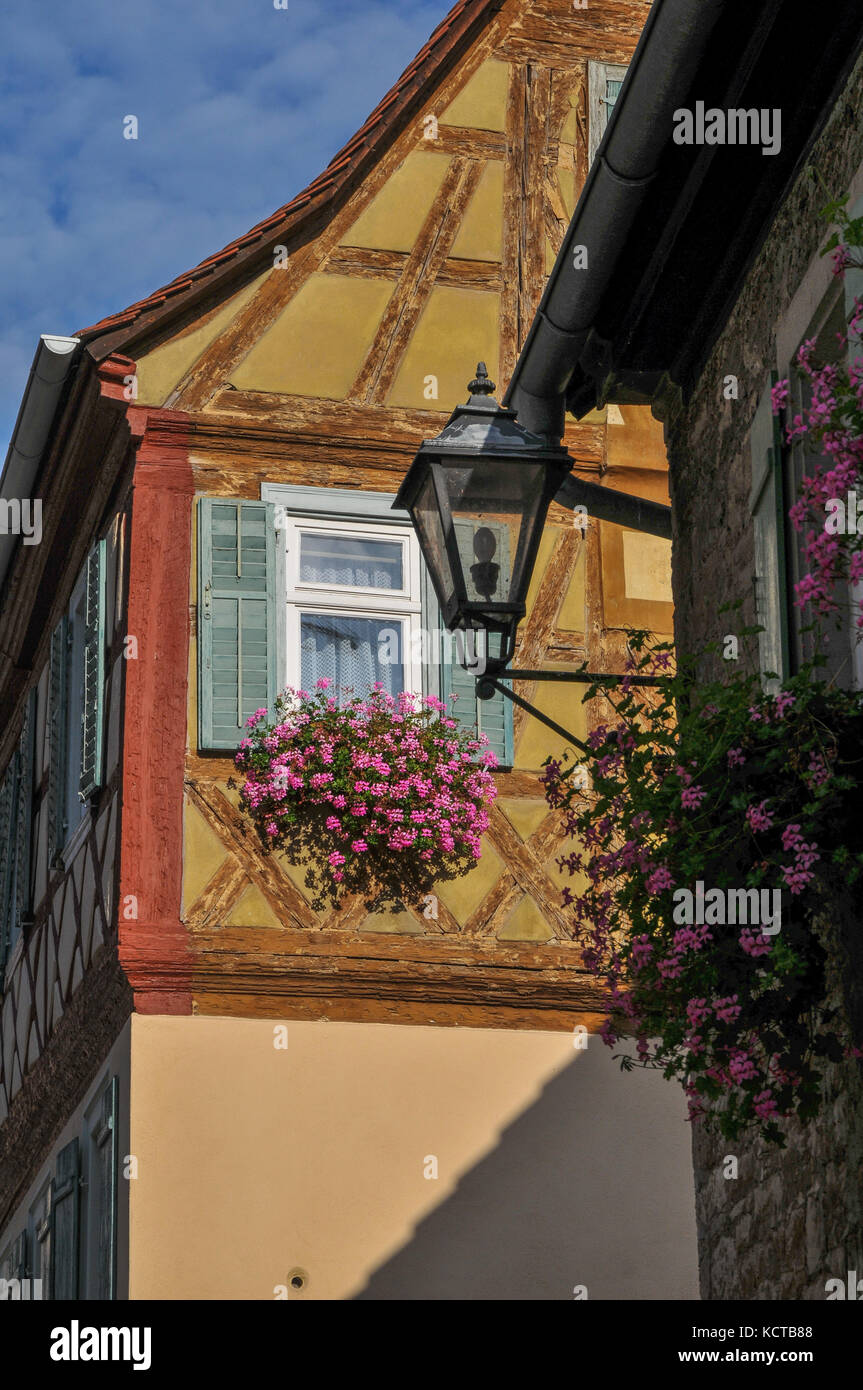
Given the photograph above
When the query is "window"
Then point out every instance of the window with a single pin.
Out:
(319, 582)
(768, 508)
(13, 1269)
(74, 719)
(99, 1217)
(16, 836)
(353, 606)
(832, 639)
(76, 713)
(604, 83)
(74, 808)
(789, 638)
(68, 1248)
(40, 1235)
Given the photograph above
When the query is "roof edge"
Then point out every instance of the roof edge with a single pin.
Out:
(445, 45)
(53, 365)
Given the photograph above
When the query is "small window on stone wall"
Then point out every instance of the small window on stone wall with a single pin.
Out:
(604, 83)
(834, 639)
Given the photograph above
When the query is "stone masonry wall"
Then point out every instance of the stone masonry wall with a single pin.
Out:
(792, 1219)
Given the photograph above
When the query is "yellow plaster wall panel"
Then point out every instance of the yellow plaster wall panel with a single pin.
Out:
(463, 895)
(524, 816)
(317, 346)
(393, 218)
(481, 103)
(639, 442)
(480, 237)
(392, 923)
(231, 794)
(550, 537)
(566, 179)
(578, 883)
(632, 595)
(203, 853)
(572, 615)
(569, 129)
(525, 923)
(647, 567)
(457, 329)
(252, 910)
(295, 872)
(159, 372)
(537, 742)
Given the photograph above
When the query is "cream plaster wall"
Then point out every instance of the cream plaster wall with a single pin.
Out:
(554, 1170)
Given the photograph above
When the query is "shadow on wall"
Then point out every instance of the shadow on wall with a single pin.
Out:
(592, 1185)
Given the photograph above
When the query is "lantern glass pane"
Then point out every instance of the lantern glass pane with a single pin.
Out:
(429, 527)
(495, 505)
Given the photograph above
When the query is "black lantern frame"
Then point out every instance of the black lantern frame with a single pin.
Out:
(482, 463)
(484, 437)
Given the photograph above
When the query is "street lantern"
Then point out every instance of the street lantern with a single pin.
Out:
(478, 496)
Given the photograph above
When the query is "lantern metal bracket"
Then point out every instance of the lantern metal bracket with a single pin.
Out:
(487, 684)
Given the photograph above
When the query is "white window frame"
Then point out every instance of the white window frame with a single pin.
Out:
(359, 515)
(768, 575)
(597, 105)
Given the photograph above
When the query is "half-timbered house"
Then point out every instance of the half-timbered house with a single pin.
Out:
(216, 467)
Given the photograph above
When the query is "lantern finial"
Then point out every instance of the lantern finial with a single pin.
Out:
(482, 385)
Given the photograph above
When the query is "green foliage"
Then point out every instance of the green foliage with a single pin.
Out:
(717, 783)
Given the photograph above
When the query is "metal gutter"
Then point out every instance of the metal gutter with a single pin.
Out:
(670, 50)
(52, 365)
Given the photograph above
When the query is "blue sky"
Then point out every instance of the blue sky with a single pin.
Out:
(239, 106)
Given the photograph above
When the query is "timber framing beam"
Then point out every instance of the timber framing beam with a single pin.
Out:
(431, 250)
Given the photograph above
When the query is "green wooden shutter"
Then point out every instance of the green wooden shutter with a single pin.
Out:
(42, 1225)
(16, 833)
(14, 1268)
(20, 1261)
(65, 1222)
(24, 827)
(92, 714)
(103, 1189)
(490, 717)
(237, 618)
(57, 716)
(8, 847)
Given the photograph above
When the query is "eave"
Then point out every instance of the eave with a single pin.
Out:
(671, 230)
(45, 389)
